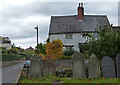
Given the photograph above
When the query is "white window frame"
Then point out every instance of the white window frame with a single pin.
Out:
(69, 36)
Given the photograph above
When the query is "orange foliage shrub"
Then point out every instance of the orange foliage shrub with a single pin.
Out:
(42, 56)
(54, 49)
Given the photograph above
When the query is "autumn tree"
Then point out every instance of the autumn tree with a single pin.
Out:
(54, 49)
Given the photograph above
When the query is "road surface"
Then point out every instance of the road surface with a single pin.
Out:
(11, 74)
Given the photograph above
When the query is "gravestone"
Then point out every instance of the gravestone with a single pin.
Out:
(49, 69)
(78, 66)
(36, 66)
(94, 67)
(108, 67)
(118, 65)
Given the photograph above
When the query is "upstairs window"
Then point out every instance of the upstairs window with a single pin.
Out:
(68, 36)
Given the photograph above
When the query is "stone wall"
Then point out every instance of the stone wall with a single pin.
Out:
(62, 64)
(81, 68)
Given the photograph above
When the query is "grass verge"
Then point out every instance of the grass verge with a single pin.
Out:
(70, 81)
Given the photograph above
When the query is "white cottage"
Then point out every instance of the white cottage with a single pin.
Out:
(70, 29)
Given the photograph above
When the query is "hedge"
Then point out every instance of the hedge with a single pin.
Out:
(69, 52)
(10, 57)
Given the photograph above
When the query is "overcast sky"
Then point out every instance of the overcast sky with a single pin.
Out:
(19, 19)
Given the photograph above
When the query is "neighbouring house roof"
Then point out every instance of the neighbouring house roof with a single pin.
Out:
(30, 48)
(70, 24)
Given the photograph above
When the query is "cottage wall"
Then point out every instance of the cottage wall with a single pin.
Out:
(6, 45)
(76, 39)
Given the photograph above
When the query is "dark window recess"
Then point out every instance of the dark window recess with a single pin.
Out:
(68, 47)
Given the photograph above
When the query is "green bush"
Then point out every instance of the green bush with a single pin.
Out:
(10, 57)
(65, 73)
(28, 54)
(69, 52)
(4, 50)
(107, 44)
(66, 57)
(41, 49)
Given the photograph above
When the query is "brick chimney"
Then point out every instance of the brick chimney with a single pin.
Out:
(80, 12)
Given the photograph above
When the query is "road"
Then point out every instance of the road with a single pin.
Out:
(11, 74)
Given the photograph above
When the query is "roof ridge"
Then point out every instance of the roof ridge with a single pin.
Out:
(76, 15)
(95, 15)
(65, 16)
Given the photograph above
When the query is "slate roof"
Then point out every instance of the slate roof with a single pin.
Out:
(70, 24)
(30, 48)
(116, 28)
(6, 42)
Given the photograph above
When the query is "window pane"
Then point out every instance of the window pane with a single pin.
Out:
(68, 36)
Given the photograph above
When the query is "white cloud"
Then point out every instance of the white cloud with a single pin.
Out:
(16, 2)
(119, 13)
(37, 18)
(72, 0)
(102, 8)
(25, 42)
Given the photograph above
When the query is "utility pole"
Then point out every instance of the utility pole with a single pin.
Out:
(37, 37)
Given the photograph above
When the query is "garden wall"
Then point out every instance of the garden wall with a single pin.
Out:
(62, 64)
(10, 63)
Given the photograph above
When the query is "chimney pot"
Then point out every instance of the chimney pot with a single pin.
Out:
(81, 4)
(80, 12)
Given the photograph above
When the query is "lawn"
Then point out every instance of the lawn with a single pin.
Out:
(70, 81)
